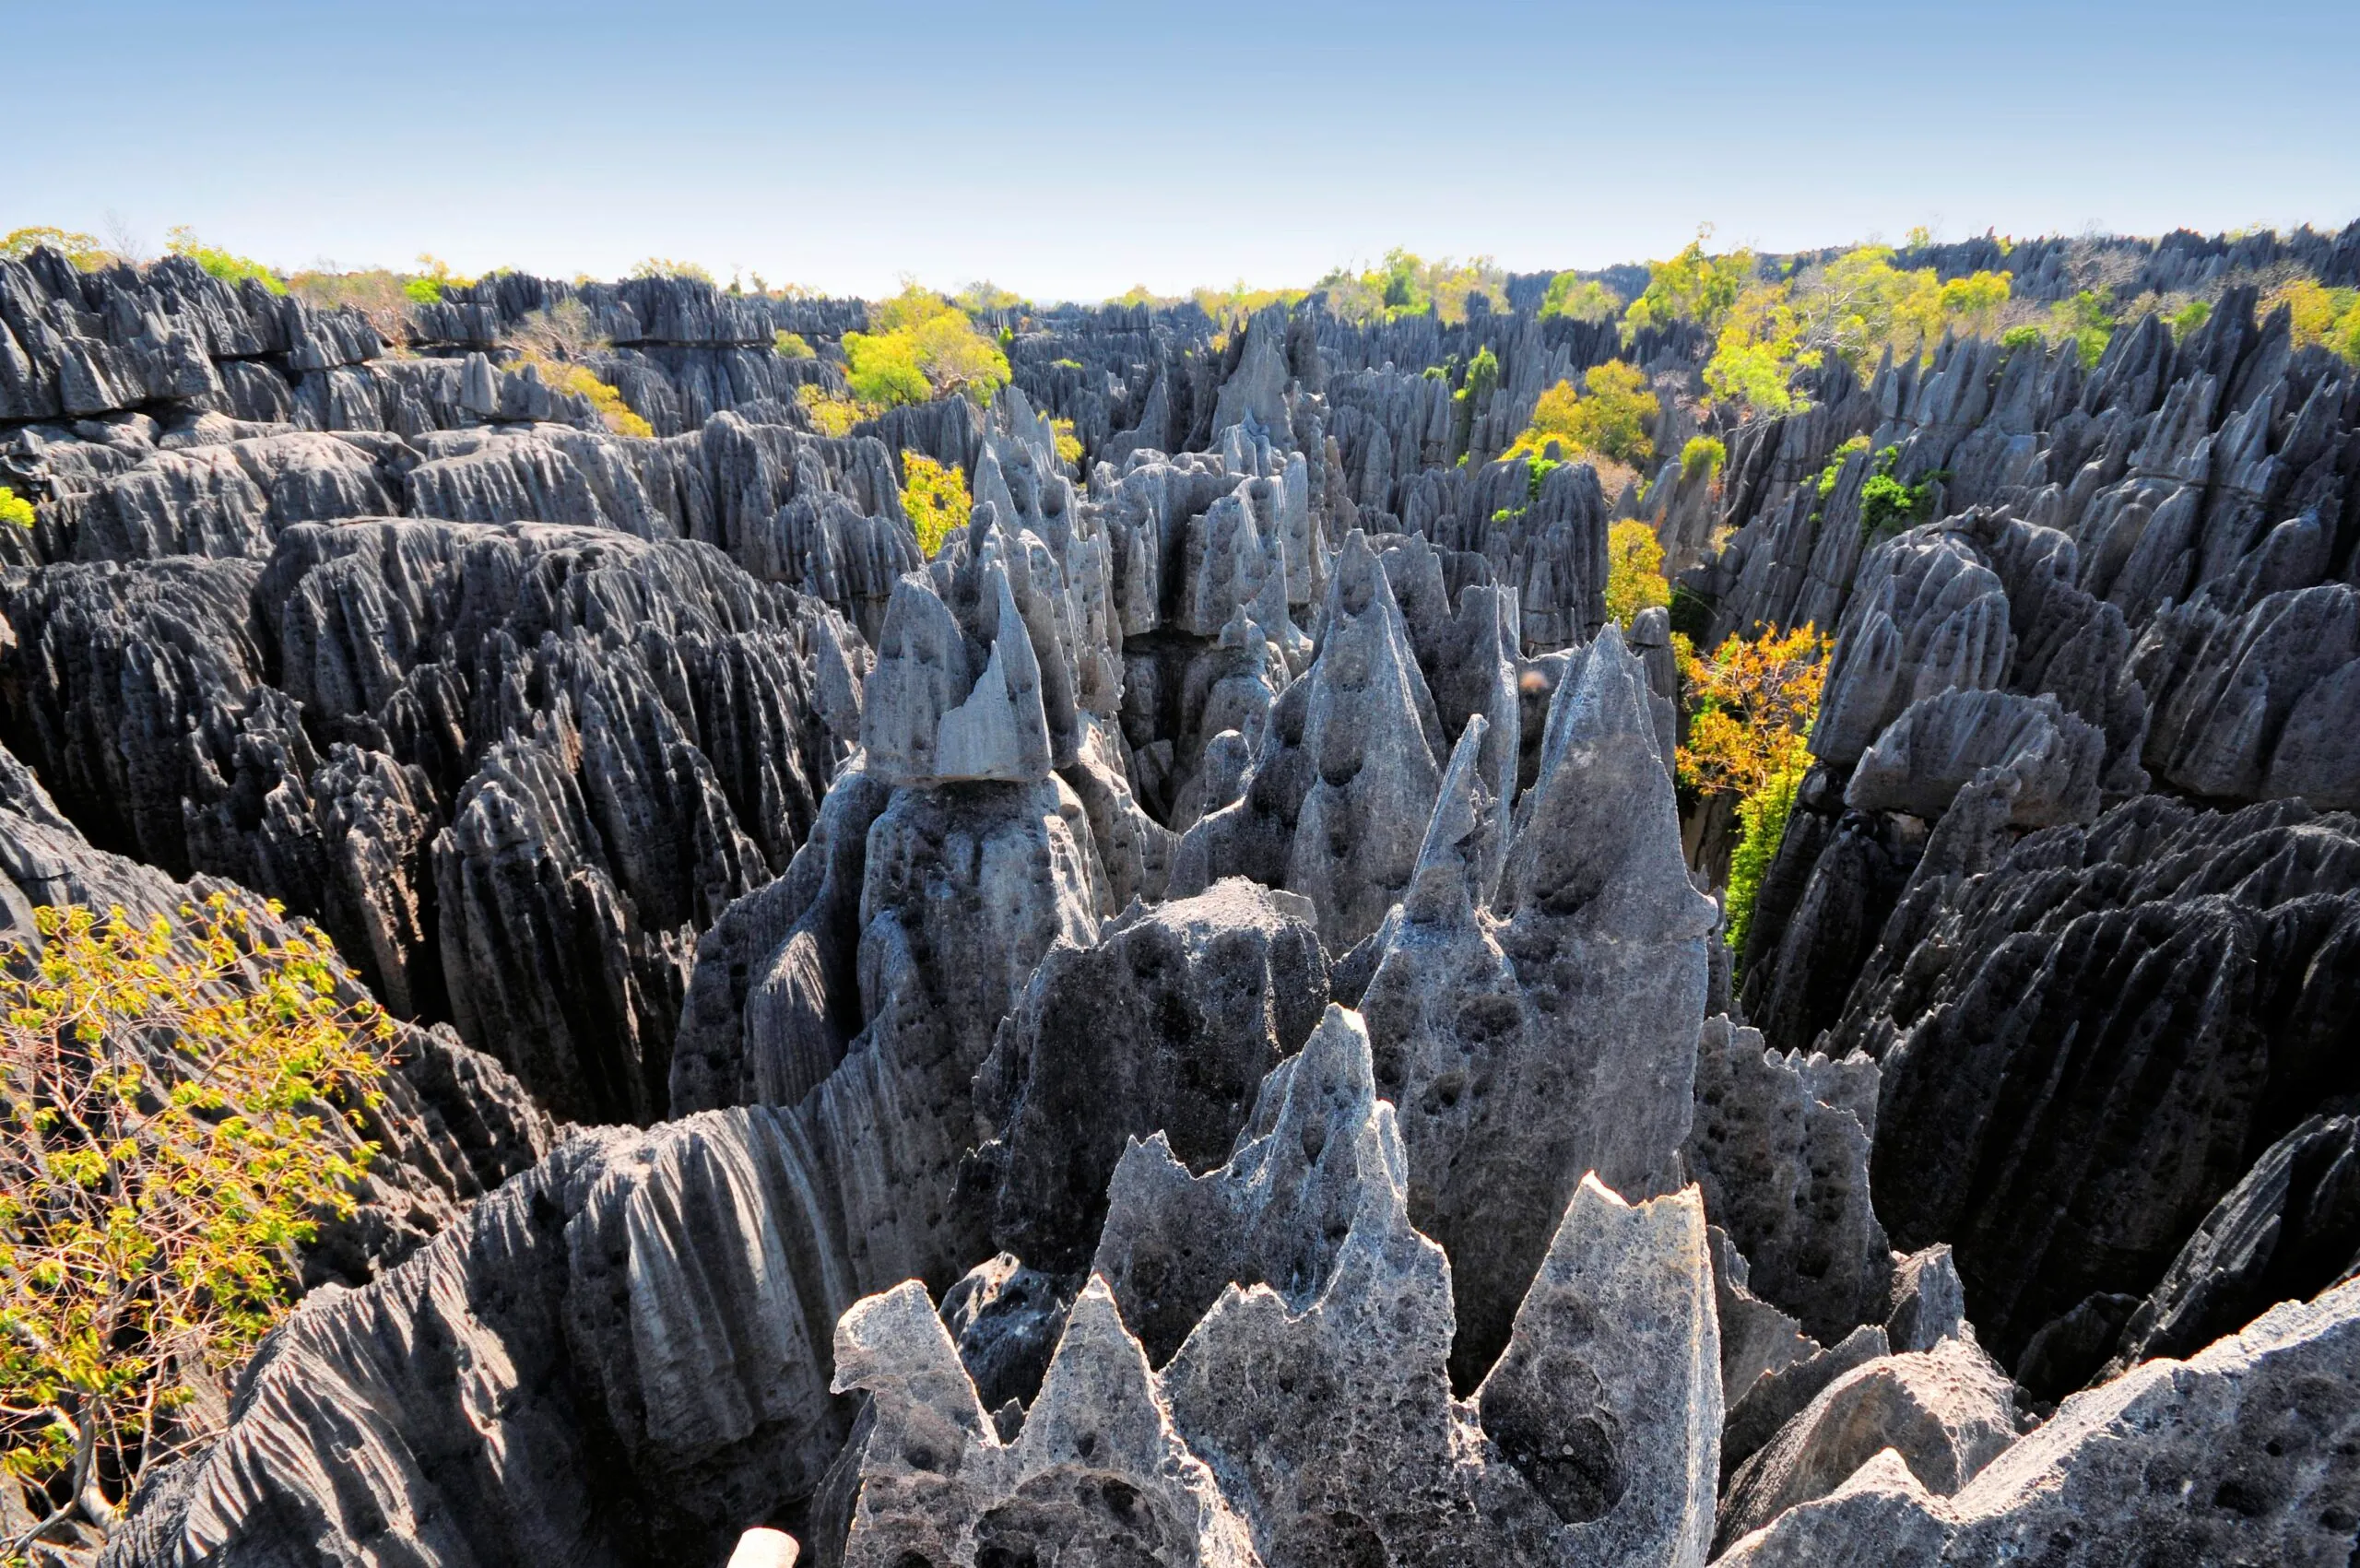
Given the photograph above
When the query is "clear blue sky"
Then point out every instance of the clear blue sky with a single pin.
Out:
(1071, 150)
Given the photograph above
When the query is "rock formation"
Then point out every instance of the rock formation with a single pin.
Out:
(1175, 1030)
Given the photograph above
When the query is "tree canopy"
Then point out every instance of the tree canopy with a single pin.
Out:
(1612, 418)
(921, 345)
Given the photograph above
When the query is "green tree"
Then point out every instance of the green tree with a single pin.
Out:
(2320, 314)
(1761, 827)
(2087, 321)
(1753, 375)
(984, 296)
(166, 1095)
(1691, 286)
(83, 249)
(664, 266)
(1976, 301)
(1703, 454)
(1580, 299)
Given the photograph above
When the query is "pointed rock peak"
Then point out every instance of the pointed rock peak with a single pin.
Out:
(1331, 1081)
(1608, 1398)
(1320, 1154)
(1098, 1406)
(921, 673)
(1002, 730)
(1458, 865)
(1600, 822)
(990, 487)
(1359, 582)
(893, 1348)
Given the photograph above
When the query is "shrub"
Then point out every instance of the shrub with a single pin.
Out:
(424, 291)
(1610, 422)
(165, 1094)
(1835, 461)
(228, 268)
(376, 293)
(2019, 337)
(792, 345)
(607, 399)
(1762, 828)
(935, 497)
(563, 331)
(1634, 579)
(1068, 445)
(2185, 320)
(83, 249)
(2087, 321)
(831, 414)
(1702, 456)
(15, 510)
(1887, 505)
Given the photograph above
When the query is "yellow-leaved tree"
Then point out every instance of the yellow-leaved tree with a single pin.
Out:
(166, 1091)
(921, 345)
(935, 498)
(1610, 417)
(1634, 579)
(1752, 704)
(553, 342)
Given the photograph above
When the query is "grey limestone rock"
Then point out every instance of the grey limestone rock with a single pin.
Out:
(2105, 988)
(1946, 1411)
(1097, 1473)
(504, 766)
(643, 1317)
(1927, 616)
(1780, 1148)
(1167, 1023)
(2238, 1454)
(1522, 1050)
(2287, 1230)
(1924, 758)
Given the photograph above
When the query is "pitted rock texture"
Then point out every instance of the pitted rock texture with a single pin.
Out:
(1780, 1148)
(2238, 1454)
(1527, 1048)
(1168, 1023)
(1947, 1413)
